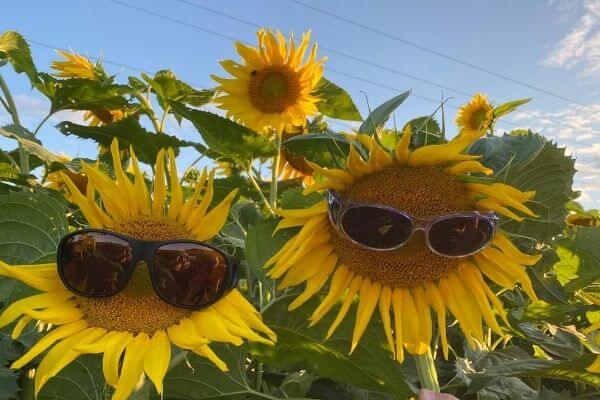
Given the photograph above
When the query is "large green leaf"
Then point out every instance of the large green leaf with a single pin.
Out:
(129, 132)
(425, 131)
(370, 366)
(500, 151)
(548, 172)
(325, 149)
(28, 142)
(579, 264)
(379, 116)
(572, 370)
(556, 312)
(262, 243)
(86, 94)
(82, 380)
(8, 384)
(335, 101)
(198, 378)
(31, 226)
(225, 136)
(167, 88)
(15, 49)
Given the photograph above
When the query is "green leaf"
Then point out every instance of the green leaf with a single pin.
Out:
(572, 370)
(499, 151)
(82, 379)
(15, 49)
(199, 379)
(31, 226)
(548, 172)
(579, 264)
(294, 199)
(8, 384)
(425, 131)
(85, 94)
(167, 88)
(556, 312)
(225, 136)
(325, 149)
(562, 343)
(379, 116)
(370, 366)
(129, 132)
(335, 101)
(509, 107)
(262, 243)
(28, 142)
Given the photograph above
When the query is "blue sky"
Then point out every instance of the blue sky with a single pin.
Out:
(554, 46)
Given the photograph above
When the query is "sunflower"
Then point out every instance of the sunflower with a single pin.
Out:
(475, 117)
(135, 325)
(273, 88)
(77, 66)
(103, 117)
(407, 283)
(54, 180)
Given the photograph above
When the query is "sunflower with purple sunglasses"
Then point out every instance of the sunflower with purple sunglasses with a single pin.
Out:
(141, 279)
(410, 233)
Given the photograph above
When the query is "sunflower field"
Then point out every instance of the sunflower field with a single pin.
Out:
(311, 301)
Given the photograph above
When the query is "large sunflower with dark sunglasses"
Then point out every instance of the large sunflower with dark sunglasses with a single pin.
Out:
(407, 232)
(98, 301)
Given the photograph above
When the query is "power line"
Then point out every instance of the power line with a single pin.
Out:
(438, 53)
(327, 49)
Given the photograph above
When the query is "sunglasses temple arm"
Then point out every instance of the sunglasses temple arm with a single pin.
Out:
(235, 276)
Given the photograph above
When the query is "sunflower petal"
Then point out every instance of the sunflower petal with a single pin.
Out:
(157, 359)
(133, 366)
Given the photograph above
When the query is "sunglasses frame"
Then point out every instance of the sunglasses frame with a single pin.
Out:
(144, 250)
(418, 224)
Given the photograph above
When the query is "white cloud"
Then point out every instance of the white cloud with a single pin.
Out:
(577, 128)
(580, 47)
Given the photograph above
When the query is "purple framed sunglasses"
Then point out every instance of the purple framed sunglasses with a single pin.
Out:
(384, 228)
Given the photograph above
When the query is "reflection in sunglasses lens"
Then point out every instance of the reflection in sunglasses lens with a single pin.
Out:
(189, 274)
(460, 235)
(376, 227)
(95, 263)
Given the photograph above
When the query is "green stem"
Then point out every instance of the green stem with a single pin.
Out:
(164, 118)
(427, 372)
(23, 155)
(37, 129)
(149, 111)
(260, 192)
(274, 173)
(28, 389)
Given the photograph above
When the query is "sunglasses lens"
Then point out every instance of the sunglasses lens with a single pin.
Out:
(376, 227)
(189, 274)
(461, 235)
(95, 263)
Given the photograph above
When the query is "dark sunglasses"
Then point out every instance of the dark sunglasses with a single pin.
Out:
(380, 227)
(184, 273)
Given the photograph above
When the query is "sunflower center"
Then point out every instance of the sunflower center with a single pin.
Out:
(273, 89)
(137, 308)
(423, 192)
(478, 118)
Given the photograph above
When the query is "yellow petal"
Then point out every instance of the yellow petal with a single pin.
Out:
(43, 300)
(157, 359)
(112, 354)
(159, 197)
(317, 209)
(46, 281)
(504, 244)
(20, 326)
(402, 148)
(369, 295)
(208, 324)
(340, 281)
(350, 294)
(333, 173)
(133, 366)
(176, 191)
(48, 340)
(206, 352)
(397, 306)
(437, 302)
(385, 301)
(468, 167)
(316, 282)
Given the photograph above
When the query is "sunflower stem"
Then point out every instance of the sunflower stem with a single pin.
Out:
(259, 190)
(427, 372)
(274, 173)
(149, 111)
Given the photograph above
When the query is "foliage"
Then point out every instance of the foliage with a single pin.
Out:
(543, 355)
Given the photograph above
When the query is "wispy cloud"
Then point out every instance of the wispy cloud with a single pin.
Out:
(579, 131)
(580, 47)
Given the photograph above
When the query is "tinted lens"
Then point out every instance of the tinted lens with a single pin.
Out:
(376, 227)
(95, 263)
(461, 235)
(189, 274)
